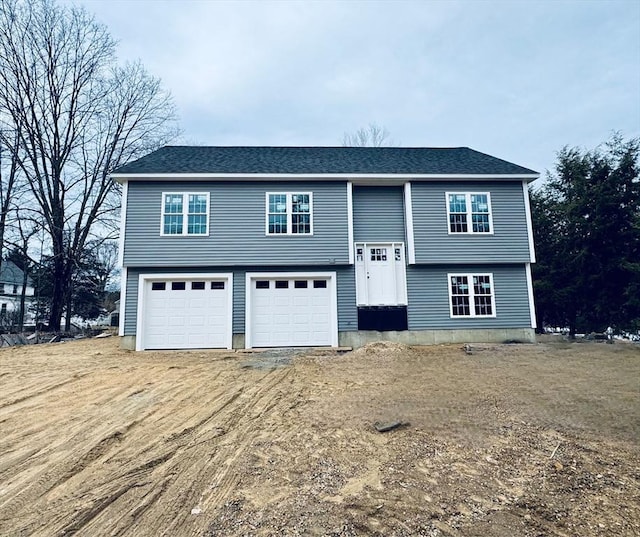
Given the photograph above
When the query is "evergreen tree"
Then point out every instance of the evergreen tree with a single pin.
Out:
(587, 232)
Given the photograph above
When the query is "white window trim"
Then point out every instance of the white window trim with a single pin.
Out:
(185, 214)
(472, 309)
(252, 276)
(289, 214)
(144, 278)
(469, 213)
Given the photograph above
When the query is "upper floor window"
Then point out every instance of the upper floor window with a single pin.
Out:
(469, 212)
(289, 213)
(185, 213)
(471, 295)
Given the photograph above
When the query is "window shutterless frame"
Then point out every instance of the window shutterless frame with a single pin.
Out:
(469, 213)
(182, 214)
(471, 296)
(288, 214)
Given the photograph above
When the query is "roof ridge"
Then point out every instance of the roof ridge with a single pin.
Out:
(309, 147)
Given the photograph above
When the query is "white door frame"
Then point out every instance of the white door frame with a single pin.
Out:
(143, 279)
(362, 288)
(333, 282)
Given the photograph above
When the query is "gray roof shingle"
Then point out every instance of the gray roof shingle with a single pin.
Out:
(319, 160)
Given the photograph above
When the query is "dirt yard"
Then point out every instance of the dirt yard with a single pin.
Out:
(512, 440)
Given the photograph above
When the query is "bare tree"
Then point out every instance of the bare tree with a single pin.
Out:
(371, 136)
(9, 181)
(79, 116)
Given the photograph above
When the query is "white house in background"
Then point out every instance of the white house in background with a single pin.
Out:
(11, 281)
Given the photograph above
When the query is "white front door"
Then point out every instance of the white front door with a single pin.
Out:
(380, 274)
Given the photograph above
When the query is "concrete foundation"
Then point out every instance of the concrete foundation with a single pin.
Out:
(360, 338)
(238, 341)
(128, 343)
(437, 337)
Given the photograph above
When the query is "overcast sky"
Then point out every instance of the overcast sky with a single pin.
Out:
(514, 79)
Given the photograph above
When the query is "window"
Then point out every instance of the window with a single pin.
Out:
(378, 254)
(178, 286)
(471, 295)
(197, 286)
(15, 289)
(289, 213)
(185, 214)
(469, 212)
(2, 288)
(158, 286)
(217, 285)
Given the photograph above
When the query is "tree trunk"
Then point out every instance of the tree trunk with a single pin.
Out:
(58, 295)
(572, 328)
(68, 309)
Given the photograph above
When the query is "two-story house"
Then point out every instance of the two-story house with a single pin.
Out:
(248, 247)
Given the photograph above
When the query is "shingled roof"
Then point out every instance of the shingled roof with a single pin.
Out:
(320, 160)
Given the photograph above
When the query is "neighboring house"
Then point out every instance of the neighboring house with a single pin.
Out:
(247, 247)
(11, 283)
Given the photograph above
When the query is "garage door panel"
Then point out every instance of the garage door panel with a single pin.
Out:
(291, 314)
(186, 314)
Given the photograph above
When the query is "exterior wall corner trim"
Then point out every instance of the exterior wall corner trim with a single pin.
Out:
(408, 215)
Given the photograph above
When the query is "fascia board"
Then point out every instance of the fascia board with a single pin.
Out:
(354, 177)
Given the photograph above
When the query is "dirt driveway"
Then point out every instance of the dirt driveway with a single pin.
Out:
(512, 440)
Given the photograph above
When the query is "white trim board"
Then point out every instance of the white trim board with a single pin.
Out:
(350, 221)
(527, 210)
(532, 305)
(123, 222)
(123, 299)
(408, 218)
(143, 278)
(375, 178)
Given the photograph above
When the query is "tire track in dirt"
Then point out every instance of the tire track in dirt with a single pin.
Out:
(13, 402)
(138, 477)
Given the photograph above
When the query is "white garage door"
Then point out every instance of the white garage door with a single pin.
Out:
(191, 313)
(292, 311)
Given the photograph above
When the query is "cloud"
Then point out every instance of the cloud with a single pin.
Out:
(514, 79)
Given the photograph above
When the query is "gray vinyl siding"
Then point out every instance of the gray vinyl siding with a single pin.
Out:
(378, 214)
(428, 290)
(509, 242)
(347, 311)
(236, 226)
